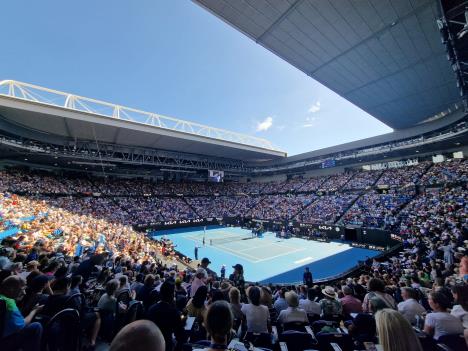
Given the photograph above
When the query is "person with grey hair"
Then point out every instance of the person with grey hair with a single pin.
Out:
(350, 303)
(309, 305)
(292, 313)
(409, 307)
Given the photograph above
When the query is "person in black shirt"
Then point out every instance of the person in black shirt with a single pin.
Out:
(87, 266)
(237, 277)
(166, 316)
(307, 278)
(60, 300)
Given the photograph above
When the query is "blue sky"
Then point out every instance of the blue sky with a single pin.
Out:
(174, 58)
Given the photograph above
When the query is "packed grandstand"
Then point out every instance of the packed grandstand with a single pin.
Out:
(48, 219)
(91, 201)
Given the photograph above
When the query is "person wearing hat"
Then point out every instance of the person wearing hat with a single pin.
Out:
(237, 278)
(292, 313)
(330, 306)
(223, 271)
(204, 264)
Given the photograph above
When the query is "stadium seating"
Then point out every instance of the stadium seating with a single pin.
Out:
(50, 237)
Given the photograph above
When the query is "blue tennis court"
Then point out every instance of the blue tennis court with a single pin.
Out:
(266, 259)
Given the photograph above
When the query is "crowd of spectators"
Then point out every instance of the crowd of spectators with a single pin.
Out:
(75, 259)
(399, 177)
(376, 209)
(314, 200)
(279, 207)
(326, 209)
(336, 181)
(449, 171)
(362, 180)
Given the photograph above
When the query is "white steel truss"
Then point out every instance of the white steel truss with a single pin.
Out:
(30, 92)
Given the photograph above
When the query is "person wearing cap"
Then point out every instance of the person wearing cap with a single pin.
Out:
(223, 271)
(329, 304)
(292, 313)
(237, 278)
(204, 264)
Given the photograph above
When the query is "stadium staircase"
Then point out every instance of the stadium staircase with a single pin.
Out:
(338, 220)
(304, 207)
(345, 183)
(378, 178)
(191, 207)
(262, 198)
(323, 179)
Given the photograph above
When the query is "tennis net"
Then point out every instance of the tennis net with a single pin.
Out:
(225, 240)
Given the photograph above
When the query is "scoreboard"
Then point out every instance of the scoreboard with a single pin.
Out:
(328, 163)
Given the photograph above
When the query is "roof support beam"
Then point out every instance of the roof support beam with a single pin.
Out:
(278, 20)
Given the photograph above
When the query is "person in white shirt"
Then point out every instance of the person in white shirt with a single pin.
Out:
(409, 308)
(309, 305)
(292, 313)
(460, 310)
(440, 322)
(257, 316)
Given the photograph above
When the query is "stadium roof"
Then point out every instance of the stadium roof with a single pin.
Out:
(53, 114)
(384, 56)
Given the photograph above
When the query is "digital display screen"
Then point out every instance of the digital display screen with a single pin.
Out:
(328, 163)
(215, 176)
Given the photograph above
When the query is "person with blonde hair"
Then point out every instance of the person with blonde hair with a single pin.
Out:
(235, 304)
(395, 332)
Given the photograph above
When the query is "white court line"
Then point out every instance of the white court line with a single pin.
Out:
(235, 252)
(291, 250)
(283, 254)
(254, 259)
(303, 260)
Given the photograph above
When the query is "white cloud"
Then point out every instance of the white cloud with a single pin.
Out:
(265, 124)
(314, 108)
